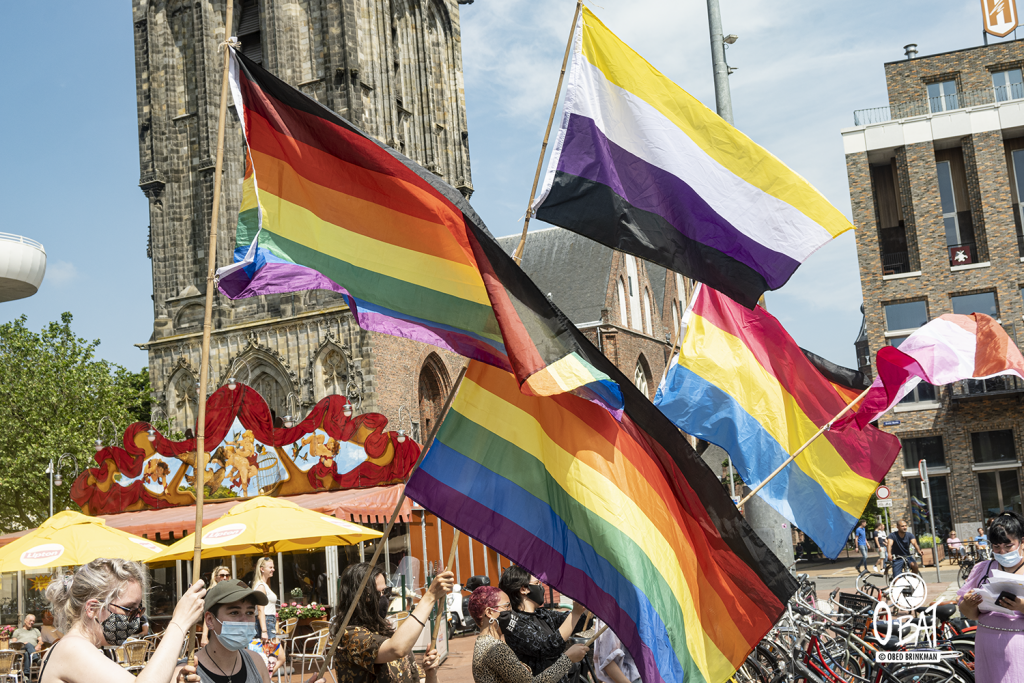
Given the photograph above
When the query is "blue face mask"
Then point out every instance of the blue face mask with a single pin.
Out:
(1010, 559)
(236, 635)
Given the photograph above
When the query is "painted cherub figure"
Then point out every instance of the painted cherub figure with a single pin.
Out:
(321, 448)
(156, 472)
(239, 455)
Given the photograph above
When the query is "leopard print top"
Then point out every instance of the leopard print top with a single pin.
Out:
(495, 662)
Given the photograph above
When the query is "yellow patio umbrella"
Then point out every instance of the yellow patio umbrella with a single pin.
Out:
(267, 525)
(69, 539)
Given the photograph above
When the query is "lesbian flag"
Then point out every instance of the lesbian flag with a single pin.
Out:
(946, 350)
(641, 166)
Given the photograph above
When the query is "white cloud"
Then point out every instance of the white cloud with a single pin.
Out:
(802, 71)
(60, 273)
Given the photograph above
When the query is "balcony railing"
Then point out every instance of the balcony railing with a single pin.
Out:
(935, 105)
(895, 262)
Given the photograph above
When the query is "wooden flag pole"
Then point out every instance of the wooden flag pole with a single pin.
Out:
(518, 255)
(391, 522)
(442, 613)
(591, 639)
(211, 272)
(800, 450)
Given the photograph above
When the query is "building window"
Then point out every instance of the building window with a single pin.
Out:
(942, 96)
(622, 304)
(892, 233)
(922, 508)
(647, 313)
(906, 316)
(1017, 167)
(249, 31)
(996, 446)
(641, 376)
(1009, 85)
(1000, 492)
(925, 448)
(982, 302)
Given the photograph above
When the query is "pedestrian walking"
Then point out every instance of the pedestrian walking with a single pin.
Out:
(999, 642)
(493, 660)
(862, 544)
(880, 538)
(371, 650)
(266, 620)
(99, 606)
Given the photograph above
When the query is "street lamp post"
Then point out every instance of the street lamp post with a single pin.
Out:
(53, 469)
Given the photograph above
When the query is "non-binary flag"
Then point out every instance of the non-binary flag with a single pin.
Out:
(642, 166)
(622, 516)
(326, 207)
(742, 383)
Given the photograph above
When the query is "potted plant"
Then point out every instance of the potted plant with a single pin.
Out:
(304, 613)
(5, 637)
(927, 542)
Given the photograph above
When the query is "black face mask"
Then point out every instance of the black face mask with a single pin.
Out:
(536, 593)
(117, 628)
(384, 603)
(504, 618)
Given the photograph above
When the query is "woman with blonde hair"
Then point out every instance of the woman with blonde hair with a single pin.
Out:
(266, 617)
(99, 606)
(218, 574)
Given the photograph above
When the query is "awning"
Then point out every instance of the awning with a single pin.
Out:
(363, 506)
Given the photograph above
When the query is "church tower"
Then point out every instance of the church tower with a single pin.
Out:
(393, 68)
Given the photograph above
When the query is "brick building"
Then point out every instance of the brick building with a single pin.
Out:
(935, 180)
(394, 67)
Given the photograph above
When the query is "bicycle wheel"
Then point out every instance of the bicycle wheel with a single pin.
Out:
(929, 673)
(751, 672)
(965, 571)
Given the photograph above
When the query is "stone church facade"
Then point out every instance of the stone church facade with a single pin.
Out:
(394, 68)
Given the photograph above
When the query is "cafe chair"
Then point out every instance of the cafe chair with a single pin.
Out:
(311, 648)
(135, 655)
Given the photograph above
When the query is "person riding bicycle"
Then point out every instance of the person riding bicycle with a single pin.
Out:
(899, 546)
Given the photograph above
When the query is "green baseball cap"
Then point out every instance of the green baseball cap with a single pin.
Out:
(226, 592)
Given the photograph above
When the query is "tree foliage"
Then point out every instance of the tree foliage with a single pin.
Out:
(54, 394)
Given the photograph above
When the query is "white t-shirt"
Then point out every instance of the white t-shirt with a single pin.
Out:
(271, 607)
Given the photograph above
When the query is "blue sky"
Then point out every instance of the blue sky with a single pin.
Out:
(69, 172)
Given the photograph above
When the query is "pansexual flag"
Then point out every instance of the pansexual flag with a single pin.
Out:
(326, 207)
(640, 165)
(622, 516)
(742, 383)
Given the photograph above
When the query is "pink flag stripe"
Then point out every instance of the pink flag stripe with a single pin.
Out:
(946, 350)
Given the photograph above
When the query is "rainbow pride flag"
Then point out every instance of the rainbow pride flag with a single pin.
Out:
(742, 383)
(326, 207)
(620, 515)
(640, 165)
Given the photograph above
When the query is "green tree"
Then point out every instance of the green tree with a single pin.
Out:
(54, 395)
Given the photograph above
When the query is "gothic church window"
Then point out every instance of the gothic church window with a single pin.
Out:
(621, 293)
(642, 376)
(433, 389)
(249, 31)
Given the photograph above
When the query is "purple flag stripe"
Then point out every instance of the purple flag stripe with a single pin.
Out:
(588, 154)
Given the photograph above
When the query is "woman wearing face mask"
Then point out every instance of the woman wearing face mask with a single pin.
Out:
(219, 574)
(99, 606)
(371, 650)
(999, 643)
(493, 660)
(230, 618)
(266, 620)
(537, 636)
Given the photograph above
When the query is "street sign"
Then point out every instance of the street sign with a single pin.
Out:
(883, 492)
(885, 503)
(922, 469)
(891, 423)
